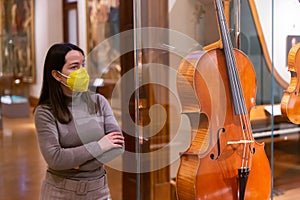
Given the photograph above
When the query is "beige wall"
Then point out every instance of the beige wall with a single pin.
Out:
(48, 29)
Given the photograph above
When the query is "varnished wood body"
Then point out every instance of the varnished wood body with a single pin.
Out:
(199, 176)
(290, 102)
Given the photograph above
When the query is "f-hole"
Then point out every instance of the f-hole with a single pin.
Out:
(212, 156)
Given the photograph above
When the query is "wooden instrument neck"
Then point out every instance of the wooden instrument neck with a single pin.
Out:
(236, 89)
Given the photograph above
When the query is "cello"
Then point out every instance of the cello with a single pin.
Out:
(290, 102)
(223, 160)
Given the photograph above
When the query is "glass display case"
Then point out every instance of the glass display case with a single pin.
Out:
(172, 120)
(13, 90)
(17, 56)
(164, 71)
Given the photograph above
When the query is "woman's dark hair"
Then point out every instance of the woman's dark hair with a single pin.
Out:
(52, 94)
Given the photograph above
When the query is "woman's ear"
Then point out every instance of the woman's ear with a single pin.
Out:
(56, 75)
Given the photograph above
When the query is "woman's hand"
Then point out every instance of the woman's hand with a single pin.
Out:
(111, 140)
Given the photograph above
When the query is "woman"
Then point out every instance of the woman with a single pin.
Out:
(76, 129)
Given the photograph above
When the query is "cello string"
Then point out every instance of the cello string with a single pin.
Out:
(238, 98)
(224, 32)
(241, 112)
(234, 82)
(230, 62)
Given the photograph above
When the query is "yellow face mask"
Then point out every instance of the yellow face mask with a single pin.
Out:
(78, 80)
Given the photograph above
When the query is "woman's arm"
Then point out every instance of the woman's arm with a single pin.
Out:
(110, 125)
(59, 158)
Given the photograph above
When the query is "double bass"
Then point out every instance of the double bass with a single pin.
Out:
(223, 160)
(290, 102)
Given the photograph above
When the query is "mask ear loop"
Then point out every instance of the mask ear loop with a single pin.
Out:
(65, 77)
(63, 74)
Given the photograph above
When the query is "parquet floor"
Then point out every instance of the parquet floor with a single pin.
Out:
(22, 168)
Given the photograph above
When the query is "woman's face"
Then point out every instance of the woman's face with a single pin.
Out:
(74, 61)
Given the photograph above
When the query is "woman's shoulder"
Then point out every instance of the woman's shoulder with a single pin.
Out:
(42, 107)
(42, 110)
(99, 98)
(43, 117)
(97, 95)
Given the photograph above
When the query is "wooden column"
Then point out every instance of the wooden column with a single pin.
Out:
(154, 184)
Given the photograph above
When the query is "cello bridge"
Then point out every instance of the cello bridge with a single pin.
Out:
(240, 142)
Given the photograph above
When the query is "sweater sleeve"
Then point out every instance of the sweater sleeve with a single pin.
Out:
(102, 159)
(59, 158)
(110, 123)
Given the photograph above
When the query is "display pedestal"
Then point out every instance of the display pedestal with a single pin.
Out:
(15, 106)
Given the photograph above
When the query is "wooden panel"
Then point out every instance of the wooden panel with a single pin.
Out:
(129, 181)
(152, 184)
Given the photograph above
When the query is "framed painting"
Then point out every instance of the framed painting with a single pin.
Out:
(98, 14)
(102, 24)
(17, 52)
(291, 40)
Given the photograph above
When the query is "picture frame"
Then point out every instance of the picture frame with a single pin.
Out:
(17, 48)
(291, 40)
